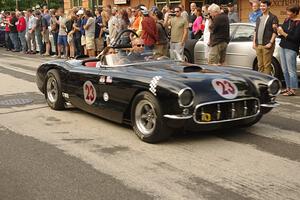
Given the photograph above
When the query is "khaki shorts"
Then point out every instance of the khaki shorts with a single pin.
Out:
(46, 36)
(99, 44)
(90, 43)
(217, 53)
(83, 40)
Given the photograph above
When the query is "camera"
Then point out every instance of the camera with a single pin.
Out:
(172, 14)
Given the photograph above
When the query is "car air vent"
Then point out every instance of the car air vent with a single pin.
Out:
(190, 69)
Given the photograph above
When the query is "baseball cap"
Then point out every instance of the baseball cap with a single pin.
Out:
(144, 10)
(80, 12)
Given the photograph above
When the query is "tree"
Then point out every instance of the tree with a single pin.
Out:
(25, 4)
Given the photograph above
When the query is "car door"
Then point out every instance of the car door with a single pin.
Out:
(239, 51)
(199, 52)
(83, 89)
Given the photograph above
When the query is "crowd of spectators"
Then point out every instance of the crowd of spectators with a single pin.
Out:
(81, 31)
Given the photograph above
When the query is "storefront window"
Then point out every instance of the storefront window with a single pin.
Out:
(162, 3)
(77, 3)
(97, 3)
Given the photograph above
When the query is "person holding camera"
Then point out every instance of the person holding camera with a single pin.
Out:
(179, 32)
(219, 35)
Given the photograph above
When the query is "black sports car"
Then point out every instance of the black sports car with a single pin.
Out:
(158, 96)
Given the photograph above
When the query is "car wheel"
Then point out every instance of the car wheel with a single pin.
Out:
(147, 119)
(276, 69)
(53, 92)
(187, 56)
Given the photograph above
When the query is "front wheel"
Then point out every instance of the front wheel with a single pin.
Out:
(53, 92)
(147, 119)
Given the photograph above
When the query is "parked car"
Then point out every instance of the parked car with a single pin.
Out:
(158, 96)
(239, 51)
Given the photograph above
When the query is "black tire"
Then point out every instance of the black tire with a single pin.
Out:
(141, 117)
(276, 71)
(53, 92)
(187, 56)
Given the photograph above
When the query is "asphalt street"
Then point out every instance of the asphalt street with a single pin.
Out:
(46, 154)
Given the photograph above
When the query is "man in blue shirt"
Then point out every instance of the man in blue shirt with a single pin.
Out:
(256, 12)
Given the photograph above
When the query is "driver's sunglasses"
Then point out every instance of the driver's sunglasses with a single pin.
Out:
(140, 45)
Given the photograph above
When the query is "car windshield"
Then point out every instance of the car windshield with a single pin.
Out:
(135, 58)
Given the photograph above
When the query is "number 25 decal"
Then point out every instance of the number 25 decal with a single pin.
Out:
(89, 92)
(225, 88)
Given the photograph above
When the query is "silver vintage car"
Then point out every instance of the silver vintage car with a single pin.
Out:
(239, 51)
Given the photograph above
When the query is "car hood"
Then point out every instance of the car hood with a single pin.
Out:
(176, 76)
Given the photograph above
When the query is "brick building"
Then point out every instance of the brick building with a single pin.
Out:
(242, 6)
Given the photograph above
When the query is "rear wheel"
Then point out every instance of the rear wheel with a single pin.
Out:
(147, 119)
(53, 92)
(275, 71)
(187, 56)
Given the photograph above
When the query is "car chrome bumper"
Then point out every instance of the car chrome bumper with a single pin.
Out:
(178, 116)
(270, 105)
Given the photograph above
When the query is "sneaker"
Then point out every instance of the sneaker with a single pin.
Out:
(55, 56)
(63, 57)
(46, 54)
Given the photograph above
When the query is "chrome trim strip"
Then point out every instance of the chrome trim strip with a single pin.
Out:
(270, 105)
(181, 92)
(178, 116)
(245, 108)
(227, 101)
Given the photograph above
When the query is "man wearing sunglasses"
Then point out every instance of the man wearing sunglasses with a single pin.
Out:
(179, 32)
(138, 46)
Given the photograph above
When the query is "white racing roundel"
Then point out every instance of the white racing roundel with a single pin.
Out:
(225, 88)
(89, 92)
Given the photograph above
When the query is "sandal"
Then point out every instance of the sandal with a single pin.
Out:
(284, 91)
(289, 93)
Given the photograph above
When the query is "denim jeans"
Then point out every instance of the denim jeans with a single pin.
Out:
(15, 40)
(176, 47)
(8, 42)
(288, 60)
(23, 41)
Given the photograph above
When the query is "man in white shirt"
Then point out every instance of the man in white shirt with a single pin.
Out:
(31, 32)
(113, 25)
(62, 41)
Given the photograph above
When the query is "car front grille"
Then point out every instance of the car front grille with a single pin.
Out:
(227, 110)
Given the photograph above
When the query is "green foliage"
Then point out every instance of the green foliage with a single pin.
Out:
(25, 4)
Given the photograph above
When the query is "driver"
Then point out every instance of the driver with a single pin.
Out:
(138, 47)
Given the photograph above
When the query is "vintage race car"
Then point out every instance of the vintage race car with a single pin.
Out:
(158, 96)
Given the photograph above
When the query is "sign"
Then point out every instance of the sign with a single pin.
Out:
(89, 92)
(225, 88)
(120, 2)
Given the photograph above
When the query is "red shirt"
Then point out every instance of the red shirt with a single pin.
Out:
(7, 29)
(21, 26)
(149, 35)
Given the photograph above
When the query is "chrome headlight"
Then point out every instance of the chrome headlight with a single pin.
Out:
(186, 97)
(274, 87)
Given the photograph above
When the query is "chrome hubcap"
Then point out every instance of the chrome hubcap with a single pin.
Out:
(52, 91)
(145, 117)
